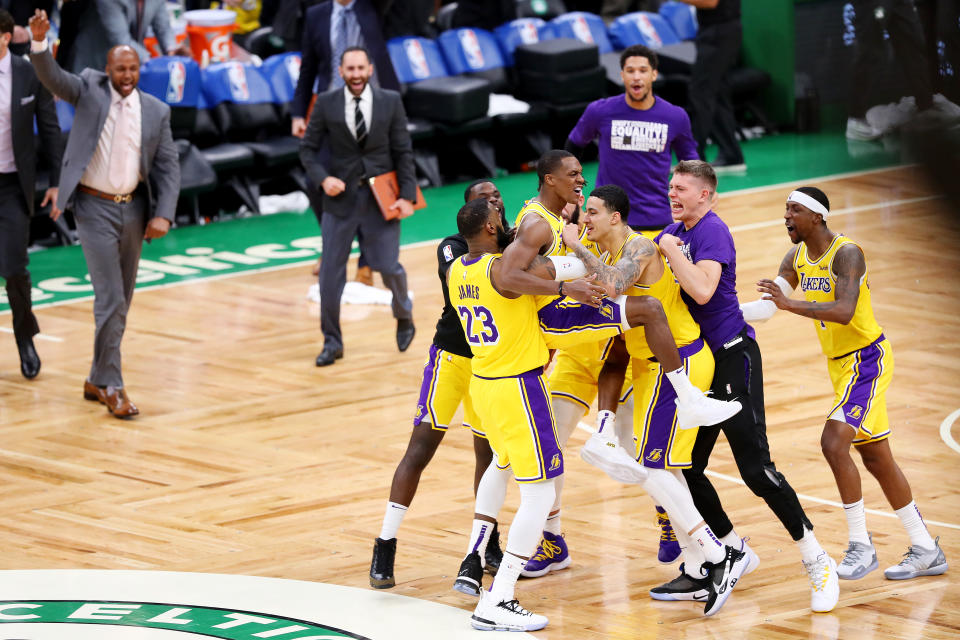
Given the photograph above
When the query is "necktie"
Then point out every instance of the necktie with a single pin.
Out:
(120, 146)
(361, 124)
(340, 45)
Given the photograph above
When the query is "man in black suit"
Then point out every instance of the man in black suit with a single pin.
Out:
(356, 133)
(22, 98)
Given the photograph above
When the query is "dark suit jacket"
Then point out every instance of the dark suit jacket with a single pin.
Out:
(29, 99)
(329, 149)
(316, 52)
(90, 94)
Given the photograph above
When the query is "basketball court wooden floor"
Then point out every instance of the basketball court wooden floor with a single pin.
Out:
(247, 459)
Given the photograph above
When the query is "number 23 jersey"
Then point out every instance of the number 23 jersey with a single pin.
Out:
(503, 333)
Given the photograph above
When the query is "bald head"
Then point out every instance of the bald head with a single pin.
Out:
(123, 68)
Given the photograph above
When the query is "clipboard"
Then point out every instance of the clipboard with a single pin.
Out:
(386, 191)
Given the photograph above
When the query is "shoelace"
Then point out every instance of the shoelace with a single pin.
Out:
(513, 606)
(911, 558)
(853, 554)
(819, 571)
(547, 550)
(666, 529)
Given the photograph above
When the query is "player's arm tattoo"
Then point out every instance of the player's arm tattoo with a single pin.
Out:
(542, 265)
(849, 268)
(619, 277)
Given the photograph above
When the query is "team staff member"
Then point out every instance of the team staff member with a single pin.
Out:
(123, 179)
(444, 387)
(702, 254)
(22, 98)
(832, 273)
(637, 133)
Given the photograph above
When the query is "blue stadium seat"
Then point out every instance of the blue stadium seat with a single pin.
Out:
(176, 81)
(415, 59)
(586, 27)
(475, 52)
(642, 27)
(281, 72)
(522, 31)
(682, 18)
(65, 112)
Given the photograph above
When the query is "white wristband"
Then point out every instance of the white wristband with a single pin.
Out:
(763, 310)
(568, 267)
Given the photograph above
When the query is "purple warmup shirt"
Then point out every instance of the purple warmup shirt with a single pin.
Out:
(635, 152)
(720, 319)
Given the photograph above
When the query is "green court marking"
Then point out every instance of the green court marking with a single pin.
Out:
(212, 622)
(270, 242)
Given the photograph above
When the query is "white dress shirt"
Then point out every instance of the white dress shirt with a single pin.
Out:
(97, 175)
(366, 108)
(7, 162)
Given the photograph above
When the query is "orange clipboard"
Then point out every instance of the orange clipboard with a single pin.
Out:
(386, 191)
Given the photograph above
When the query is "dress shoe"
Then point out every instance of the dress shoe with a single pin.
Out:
(93, 392)
(316, 267)
(328, 355)
(405, 333)
(118, 403)
(364, 276)
(29, 360)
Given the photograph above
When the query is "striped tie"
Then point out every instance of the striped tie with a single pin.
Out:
(361, 124)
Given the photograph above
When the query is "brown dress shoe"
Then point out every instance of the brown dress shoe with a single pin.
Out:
(364, 276)
(118, 403)
(93, 392)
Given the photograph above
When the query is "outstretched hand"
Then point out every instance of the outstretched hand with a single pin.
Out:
(39, 25)
(772, 291)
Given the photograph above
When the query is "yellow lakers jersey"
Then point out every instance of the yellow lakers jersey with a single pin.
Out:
(667, 290)
(819, 284)
(555, 221)
(503, 333)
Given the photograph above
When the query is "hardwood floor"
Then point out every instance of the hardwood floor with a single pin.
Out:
(248, 459)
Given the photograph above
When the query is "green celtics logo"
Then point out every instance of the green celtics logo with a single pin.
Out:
(204, 621)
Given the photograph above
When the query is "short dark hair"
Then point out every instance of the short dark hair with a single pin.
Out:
(698, 169)
(6, 22)
(816, 194)
(640, 51)
(473, 185)
(355, 48)
(549, 162)
(614, 198)
(472, 216)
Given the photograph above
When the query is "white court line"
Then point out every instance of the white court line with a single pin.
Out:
(39, 336)
(945, 427)
(886, 514)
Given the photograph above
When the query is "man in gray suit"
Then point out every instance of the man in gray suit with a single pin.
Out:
(107, 23)
(355, 133)
(22, 98)
(121, 176)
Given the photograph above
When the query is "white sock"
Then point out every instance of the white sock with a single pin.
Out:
(553, 524)
(732, 540)
(606, 423)
(692, 555)
(391, 520)
(682, 386)
(809, 546)
(857, 522)
(506, 579)
(624, 426)
(916, 529)
(713, 549)
(479, 537)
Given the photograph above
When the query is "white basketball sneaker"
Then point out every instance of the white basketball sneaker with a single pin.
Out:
(753, 560)
(824, 583)
(605, 453)
(506, 615)
(703, 411)
(918, 561)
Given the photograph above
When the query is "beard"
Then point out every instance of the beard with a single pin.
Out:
(505, 237)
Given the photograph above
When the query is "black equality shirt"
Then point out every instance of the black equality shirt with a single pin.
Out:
(449, 335)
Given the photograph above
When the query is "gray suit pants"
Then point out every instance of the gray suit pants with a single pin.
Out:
(379, 242)
(112, 236)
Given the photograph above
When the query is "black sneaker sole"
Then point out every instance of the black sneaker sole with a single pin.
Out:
(385, 583)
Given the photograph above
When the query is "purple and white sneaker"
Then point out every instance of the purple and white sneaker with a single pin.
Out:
(551, 555)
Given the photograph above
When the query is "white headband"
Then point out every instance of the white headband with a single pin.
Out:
(810, 203)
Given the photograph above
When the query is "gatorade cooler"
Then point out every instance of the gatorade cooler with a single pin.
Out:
(179, 27)
(209, 32)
